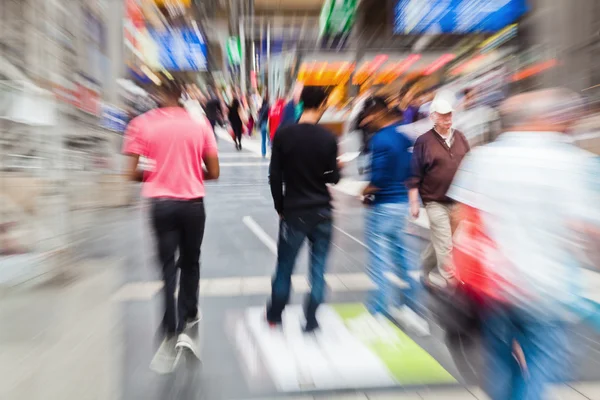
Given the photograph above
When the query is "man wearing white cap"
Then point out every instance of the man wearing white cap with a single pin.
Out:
(437, 155)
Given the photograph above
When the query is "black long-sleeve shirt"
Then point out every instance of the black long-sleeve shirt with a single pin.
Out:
(304, 160)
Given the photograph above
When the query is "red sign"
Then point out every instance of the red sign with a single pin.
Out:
(88, 99)
(84, 98)
(135, 14)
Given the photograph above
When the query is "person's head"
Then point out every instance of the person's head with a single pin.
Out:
(168, 93)
(235, 103)
(440, 112)
(377, 114)
(548, 110)
(314, 100)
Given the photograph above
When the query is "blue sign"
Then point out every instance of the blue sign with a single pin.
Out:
(455, 16)
(180, 49)
(113, 118)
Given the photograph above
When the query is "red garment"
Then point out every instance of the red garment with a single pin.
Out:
(275, 114)
(473, 252)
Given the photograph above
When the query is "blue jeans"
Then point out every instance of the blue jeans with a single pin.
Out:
(544, 344)
(386, 241)
(316, 226)
(264, 138)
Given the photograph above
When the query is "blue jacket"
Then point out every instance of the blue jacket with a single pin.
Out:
(288, 115)
(390, 165)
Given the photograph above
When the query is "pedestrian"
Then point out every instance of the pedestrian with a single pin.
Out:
(236, 121)
(263, 119)
(386, 198)
(536, 197)
(250, 126)
(304, 160)
(177, 144)
(213, 112)
(436, 157)
(293, 109)
(275, 113)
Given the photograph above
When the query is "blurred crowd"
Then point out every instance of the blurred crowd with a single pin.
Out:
(510, 203)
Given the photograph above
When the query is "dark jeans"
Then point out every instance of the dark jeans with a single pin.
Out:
(316, 226)
(179, 224)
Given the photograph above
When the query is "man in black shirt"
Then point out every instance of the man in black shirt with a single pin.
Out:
(304, 160)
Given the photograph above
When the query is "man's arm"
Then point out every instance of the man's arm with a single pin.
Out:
(332, 171)
(276, 175)
(134, 146)
(131, 170)
(210, 155)
(211, 169)
(414, 182)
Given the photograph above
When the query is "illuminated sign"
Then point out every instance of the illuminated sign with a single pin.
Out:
(181, 49)
(455, 16)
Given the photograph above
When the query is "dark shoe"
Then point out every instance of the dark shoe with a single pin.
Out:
(311, 327)
(273, 320)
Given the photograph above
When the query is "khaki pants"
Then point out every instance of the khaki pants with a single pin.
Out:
(437, 253)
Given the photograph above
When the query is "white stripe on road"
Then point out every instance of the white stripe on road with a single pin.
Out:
(260, 233)
(350, 236)
(244, 164)
(271, 244)
(238, 155)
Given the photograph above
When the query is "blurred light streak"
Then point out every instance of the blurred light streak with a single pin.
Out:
(405, 65)
(534, 69)
(151, 75)
(499, 38)
(591, 87)
(377, 62)
(467, 64)
(439, 63)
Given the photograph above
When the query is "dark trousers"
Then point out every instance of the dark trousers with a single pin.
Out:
(316, 226)
(179, 225)
(237, 136)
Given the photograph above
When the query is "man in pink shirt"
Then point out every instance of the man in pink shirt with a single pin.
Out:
(175, 144)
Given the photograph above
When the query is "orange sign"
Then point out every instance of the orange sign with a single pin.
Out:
(166, 3)
(325, 74)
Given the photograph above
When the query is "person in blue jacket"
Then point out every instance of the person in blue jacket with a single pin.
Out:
(293, 109)
(386, 197)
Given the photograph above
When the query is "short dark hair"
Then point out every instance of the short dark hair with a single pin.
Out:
(172, 88)
(313, 97)
(375, 104)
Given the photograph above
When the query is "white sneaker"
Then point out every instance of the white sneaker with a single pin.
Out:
(190, 338)
(166, 357)
(411, 320)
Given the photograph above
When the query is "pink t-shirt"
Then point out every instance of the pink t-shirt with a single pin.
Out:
(175, 144)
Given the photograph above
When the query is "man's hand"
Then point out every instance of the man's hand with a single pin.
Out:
(415, 209)
(340, 164)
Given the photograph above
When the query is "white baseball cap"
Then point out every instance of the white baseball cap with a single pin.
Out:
(441, 106)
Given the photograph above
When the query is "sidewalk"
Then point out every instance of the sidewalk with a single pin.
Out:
(63, 341)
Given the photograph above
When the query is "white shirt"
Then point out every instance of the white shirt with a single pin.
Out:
(529, 187)
(448, 138)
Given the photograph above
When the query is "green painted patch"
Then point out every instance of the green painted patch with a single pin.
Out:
(407, 362)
